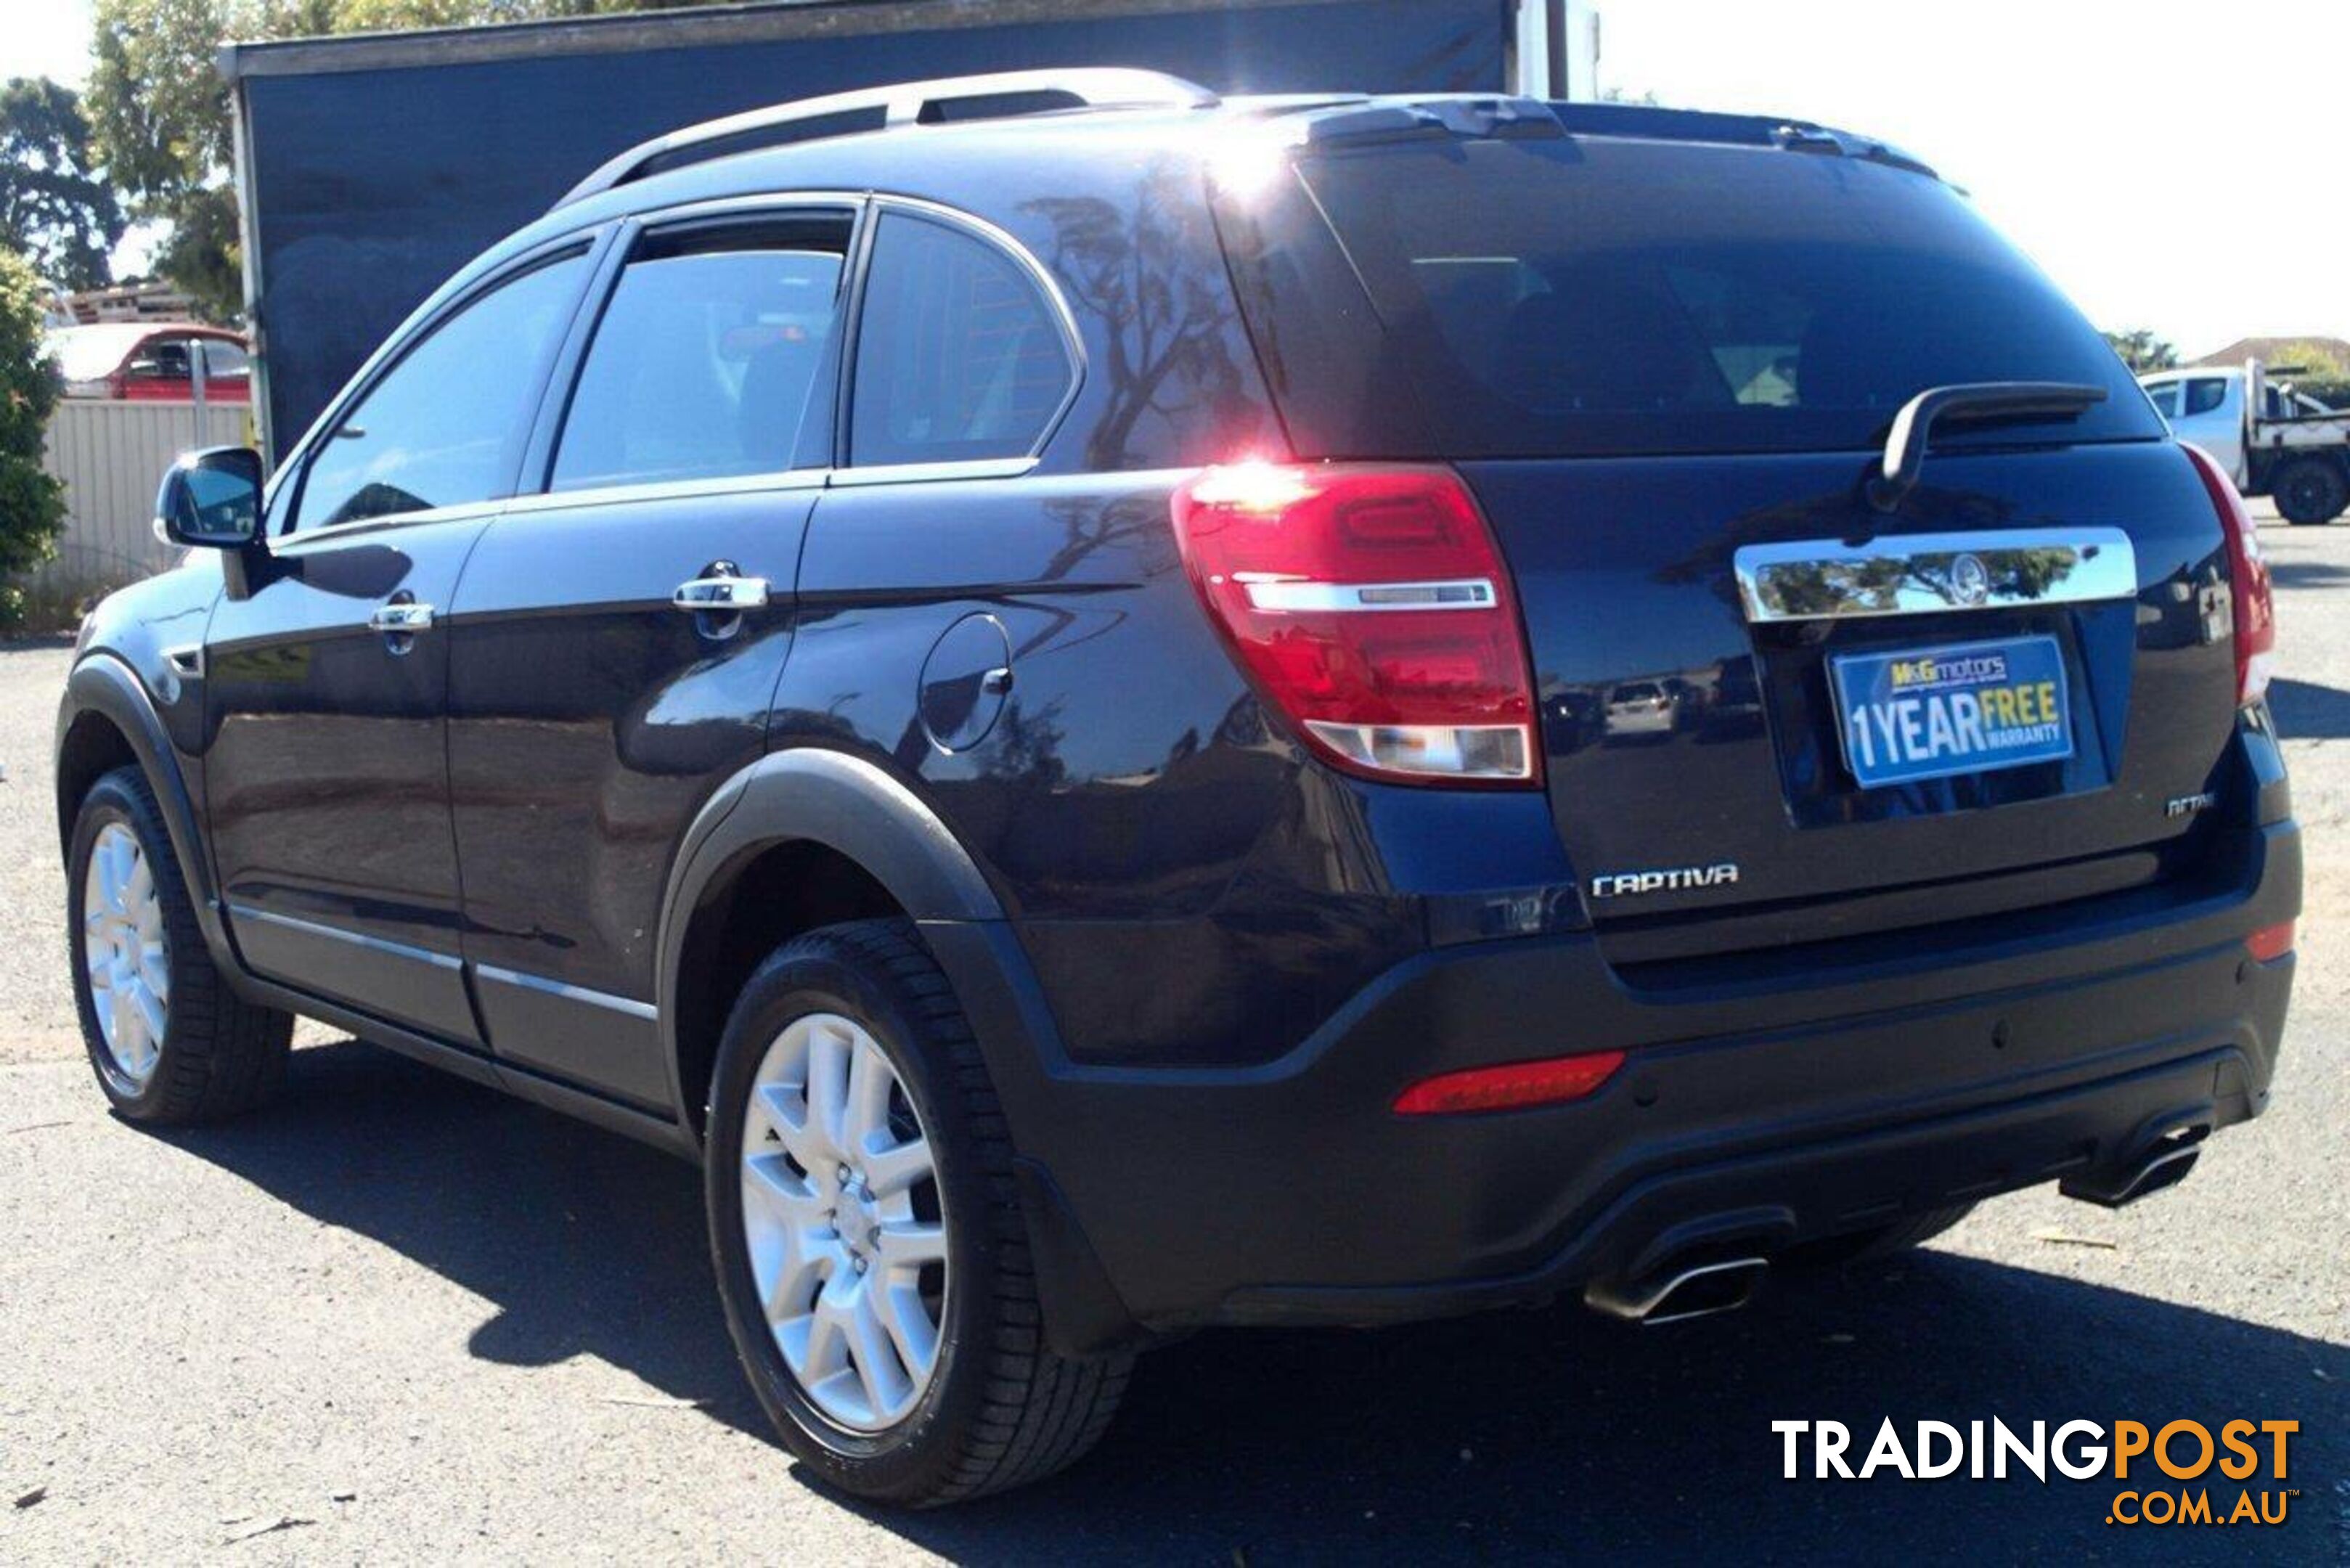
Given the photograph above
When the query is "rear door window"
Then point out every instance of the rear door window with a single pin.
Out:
(707, 362)
(1589, 296)
(2165, 396)
(959, 355)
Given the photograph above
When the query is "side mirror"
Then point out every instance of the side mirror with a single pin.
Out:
(211, 500)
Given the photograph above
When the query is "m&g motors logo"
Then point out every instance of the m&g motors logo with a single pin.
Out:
(1934, 673)
(2175, 1473)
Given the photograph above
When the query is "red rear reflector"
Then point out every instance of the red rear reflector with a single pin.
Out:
(2271, 942)
(1509, 1086)
(2248, 578)
(1369, 605)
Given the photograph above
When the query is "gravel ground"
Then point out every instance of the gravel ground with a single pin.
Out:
(397, 1317)
(37, 1018)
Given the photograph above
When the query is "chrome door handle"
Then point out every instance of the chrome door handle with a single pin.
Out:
(401, 619)
(720, 595)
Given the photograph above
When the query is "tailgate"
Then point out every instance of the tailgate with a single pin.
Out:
(2099, 571)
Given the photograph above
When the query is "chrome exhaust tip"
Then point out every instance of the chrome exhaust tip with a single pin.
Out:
(1697, 1291)
(2163, 1161)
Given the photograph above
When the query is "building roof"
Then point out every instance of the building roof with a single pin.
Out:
(2273, 350)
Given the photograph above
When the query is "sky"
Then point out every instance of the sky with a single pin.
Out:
(2142, 150)
(45, 38)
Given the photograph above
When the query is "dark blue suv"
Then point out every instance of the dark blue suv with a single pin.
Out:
(1127, 712)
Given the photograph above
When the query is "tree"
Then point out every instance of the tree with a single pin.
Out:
(55, 207)
(32, 500)
(2307, 360)
(160, 114)
(2141, 350)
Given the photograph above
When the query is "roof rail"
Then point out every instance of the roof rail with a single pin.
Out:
(905, 103)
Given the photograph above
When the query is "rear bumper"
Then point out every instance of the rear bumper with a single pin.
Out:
(1763, 1111)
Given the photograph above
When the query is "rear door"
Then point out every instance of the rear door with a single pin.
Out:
(327, 776)
(620, 635)
(2211, 415)
(1667, 370)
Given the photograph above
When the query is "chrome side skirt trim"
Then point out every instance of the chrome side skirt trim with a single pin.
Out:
(375, 944)
(1932, 573)
(579, 993)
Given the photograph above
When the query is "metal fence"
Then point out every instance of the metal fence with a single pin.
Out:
(111, 456)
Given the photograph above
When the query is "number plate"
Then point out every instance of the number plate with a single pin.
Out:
(1967, 708)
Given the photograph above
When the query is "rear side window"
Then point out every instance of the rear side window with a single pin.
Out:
(1601, 294)
(173, 359)
(706, 362)
(2205, 393)
(445, 426)
(958, 356)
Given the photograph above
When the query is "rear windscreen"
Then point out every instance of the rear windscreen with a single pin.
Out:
(1607, 295)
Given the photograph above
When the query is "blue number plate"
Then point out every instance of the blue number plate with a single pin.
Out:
(1968, 708)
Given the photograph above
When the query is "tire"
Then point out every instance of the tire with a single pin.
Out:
(2309, 491)
(996, 1407)
(215, 1055)
(1886, 1242)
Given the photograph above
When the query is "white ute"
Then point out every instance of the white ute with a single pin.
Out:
(2273, 441)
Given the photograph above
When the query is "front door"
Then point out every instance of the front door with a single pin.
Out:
(326, 667)
(328, 783)
(620, 635)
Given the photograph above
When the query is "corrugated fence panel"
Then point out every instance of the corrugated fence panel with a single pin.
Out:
(111, 455)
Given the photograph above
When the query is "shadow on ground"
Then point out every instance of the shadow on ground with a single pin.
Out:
(1500, 1437)
(2306, 574)
(2308, 713)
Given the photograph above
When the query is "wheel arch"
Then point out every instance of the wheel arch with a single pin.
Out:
(801, 839)
(107, 720)
(865, 837)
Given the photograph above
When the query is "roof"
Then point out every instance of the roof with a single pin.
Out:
(1100, 97)
(2271, 350)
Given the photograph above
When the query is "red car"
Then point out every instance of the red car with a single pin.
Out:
(151, 361)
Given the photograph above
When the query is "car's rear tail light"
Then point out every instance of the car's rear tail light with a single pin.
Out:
(2248, 576)
(2271, 942)
(1511, 1086)
(1370, 606)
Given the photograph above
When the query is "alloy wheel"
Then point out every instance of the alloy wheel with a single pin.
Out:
(126, 955)
(844, 1222)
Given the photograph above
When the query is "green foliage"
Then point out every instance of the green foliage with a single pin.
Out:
(158, 105)
(55, 206)
(2305, 362)
(2142, 351)
(201, 254)
(32, 501)
(158, 113)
